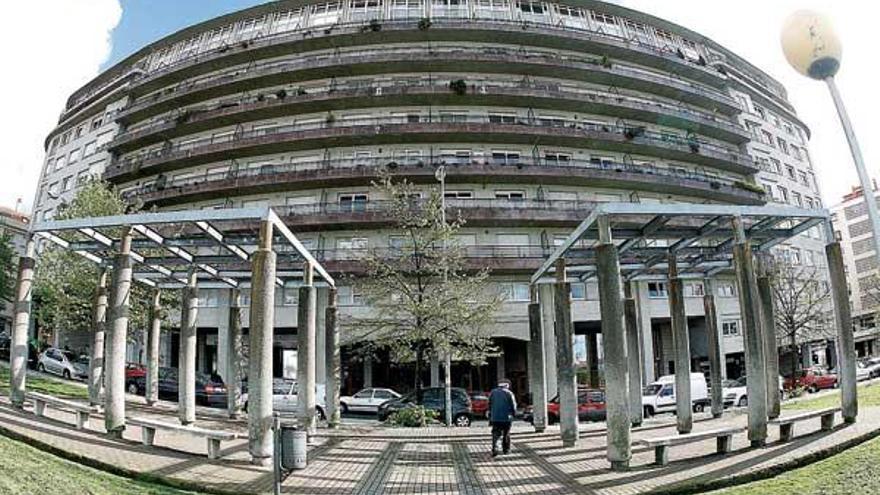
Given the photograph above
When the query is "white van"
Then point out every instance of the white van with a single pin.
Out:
(659, 396)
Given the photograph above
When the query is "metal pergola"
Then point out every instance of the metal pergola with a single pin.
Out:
(217, 244)
(700, 236)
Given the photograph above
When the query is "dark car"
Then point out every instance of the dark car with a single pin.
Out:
(210, 391)
(434, 399)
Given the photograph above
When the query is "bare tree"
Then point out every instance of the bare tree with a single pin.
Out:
(422, 299)
(801, 300)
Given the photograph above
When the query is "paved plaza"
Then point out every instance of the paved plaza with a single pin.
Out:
(363, 459)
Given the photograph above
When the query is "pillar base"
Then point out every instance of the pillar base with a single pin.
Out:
(116, 434)
(539, 429)
(620, 465)
(261, 461)
(850, 420)
(716, 415)
(758, 443)
(569, 442)
(636, 424)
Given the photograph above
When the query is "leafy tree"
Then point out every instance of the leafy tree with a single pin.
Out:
(8, 264)
(422, 298)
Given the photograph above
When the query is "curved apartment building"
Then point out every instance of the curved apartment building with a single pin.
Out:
(539, 110)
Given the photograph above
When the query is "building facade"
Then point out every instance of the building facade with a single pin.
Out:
(14, 225)
(538, 110)
(853, 229)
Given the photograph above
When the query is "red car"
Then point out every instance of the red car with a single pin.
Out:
(133, 371)
(479, 404)
(591, 406)
(813, 379)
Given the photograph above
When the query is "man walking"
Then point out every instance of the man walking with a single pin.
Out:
(502, 407)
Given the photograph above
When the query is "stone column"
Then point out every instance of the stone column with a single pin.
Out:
(262, 321)
(153, 336)
(771, 349)
(756, 386)
(21, 323)
(120, 292)
(846, 346)
(566, 379)
(186, 372)
(321, 339)
(633, 353)
(306, 333)
(332, 360)
(223, 345)
(435, 370)
(614, 345)
(99, 325)
(537, 372)
(234, 356)
(684, 411)
(368, 372)
(548, 322)
(593, 358)
(714, 345)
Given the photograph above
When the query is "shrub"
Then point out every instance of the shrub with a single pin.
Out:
(412, 417)
(606, 62)
(458, 86)
(424, 24)
(375, 26)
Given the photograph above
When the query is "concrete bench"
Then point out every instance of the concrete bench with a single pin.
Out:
(149, 427)
(724, 437)
(82, 411)
(786, 424)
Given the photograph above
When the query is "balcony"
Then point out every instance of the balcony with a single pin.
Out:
(454, 59)
(371, 93)
(557, 37)
(464, 129)
(341, 173)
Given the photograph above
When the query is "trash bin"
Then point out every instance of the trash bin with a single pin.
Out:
(294, 452)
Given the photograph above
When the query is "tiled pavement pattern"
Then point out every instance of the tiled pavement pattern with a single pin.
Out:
(360, 460)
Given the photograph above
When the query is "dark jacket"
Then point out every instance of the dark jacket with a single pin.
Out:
(502, 405)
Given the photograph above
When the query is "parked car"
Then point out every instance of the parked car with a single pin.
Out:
(133, 371)
(367, 400)
(479, 404)
(812, 379)
(64, 363)
(660, 396)
(873, 366)
(591, 407)
(284, 397)
(735, 393)
(210, 391)
(434, 399)
(862, 371)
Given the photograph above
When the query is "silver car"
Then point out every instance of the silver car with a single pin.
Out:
(63, 363)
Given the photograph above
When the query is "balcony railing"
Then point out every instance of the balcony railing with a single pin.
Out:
(369, 88)
(537, 253)
(452, 53)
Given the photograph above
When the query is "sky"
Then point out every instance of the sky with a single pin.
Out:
(59, 45)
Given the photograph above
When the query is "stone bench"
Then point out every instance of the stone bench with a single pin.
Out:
(149, 427)
(82, 411)
(661, 445)
(786, 424)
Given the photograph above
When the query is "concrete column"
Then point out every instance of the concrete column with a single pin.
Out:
(845, 343)
(154, 334)
(186, 372)
(306, 333)
(120, 292)
(593, 359)
(614, 345)
(21, 324)
(681, 343)
(262, 321)
(566, 379)
(647, 335)
(771, 349)
(332, 359)
(99, 325)
(435, 370)
(321, 338)
(368, 372)
(756, 386)
(222, 357)
(548, 322)
(234, 356)
(537, 372)
(714, 348)
(633, 353)
(500, 369)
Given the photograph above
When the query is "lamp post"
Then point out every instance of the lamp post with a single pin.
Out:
(440, 175)
(812, 47)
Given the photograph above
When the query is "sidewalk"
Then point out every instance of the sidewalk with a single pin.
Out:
(361, 460)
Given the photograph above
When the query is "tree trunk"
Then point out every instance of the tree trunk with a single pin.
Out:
(795, 360)
(420, 353)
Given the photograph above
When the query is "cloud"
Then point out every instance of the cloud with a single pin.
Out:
(49, 49)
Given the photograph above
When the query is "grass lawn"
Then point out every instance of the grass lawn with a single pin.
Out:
(58, 388)
(851, 472)
(24, 469)
(869, 395)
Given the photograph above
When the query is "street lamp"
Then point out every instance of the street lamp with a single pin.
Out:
(440, 175)
(812, 47)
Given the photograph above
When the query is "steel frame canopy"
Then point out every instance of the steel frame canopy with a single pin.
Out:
(701, 237)
(217, 244)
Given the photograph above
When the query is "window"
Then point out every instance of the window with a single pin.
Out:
(694, 289)
(783, 194)
(73, 156)
(789, 170)
(795, 255)
(782, 145)
(353, 202)
(89, 149)
(730, 328)
(768, 138)
(536, 8)
(505, 157)
(349, 296)
(803, 177)
(289, 296)
(796, 196)
(67, 183)
(796, 152)
(761, 112)
(351, 243)
(458, 194)
(579, 291)
(515, 292)
(726, 290)
(499, 118)
(657, 289)
(450, 117)
(777, 165)
(514, 195)
(207, 299)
